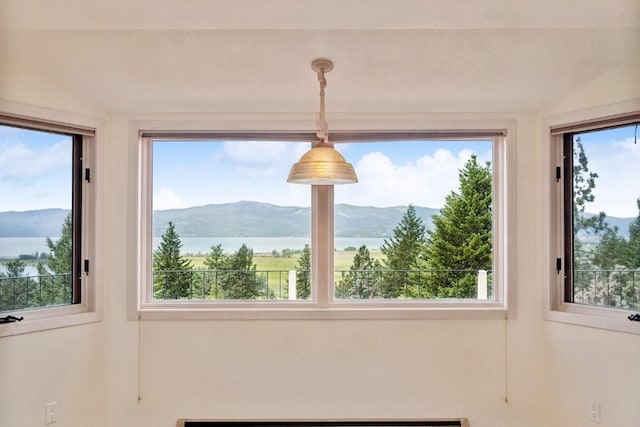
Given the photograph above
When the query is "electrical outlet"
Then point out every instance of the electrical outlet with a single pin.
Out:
(594, 411)
(51, 412)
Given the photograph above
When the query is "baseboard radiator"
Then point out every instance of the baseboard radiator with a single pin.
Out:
(434, 422)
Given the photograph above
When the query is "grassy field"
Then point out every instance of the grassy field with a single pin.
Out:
(266, 261)
(278, 282)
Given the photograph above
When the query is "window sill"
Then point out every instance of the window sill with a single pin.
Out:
(310, 311)
(48, 318)
(594, 317)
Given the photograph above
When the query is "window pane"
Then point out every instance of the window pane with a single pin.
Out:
(419, 223)
(36, 176)
(606, 226)
(226, 224)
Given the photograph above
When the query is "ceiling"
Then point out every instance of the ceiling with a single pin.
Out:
(400, 56)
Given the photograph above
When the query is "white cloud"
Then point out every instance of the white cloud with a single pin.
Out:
(18, 161)
(262, 159)
(423, 182)
(618, 184)
(167, 199)
(265, 153)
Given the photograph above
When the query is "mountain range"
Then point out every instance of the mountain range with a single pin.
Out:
(245, 219)
(255, 219)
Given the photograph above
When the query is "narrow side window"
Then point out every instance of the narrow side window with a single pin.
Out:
(41, 250)
(601, 187)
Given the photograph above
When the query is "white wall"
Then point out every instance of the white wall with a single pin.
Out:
(582, 364)
(327, 369)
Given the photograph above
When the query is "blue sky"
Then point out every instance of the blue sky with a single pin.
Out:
(389, 174)
(35, 172)
(617, 164)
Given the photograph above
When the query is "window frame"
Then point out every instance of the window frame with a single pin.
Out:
(559, 229)
(322, 304)
(87, 295)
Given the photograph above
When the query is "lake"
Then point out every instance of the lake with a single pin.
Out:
(14, 246)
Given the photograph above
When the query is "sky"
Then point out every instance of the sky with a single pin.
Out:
(615, 156)
(390, 174)
(35, 171)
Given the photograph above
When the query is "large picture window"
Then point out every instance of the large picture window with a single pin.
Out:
(222, 229)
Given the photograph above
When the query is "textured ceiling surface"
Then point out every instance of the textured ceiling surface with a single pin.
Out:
(401, 56)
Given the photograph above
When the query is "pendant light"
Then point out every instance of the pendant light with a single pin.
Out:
(322, 165)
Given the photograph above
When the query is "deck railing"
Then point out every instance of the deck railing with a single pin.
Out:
(283, 284)
(26, 292)
(607, 288)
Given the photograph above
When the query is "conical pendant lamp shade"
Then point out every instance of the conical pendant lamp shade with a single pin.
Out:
(322, 165)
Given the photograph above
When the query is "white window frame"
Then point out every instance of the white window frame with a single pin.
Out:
(555, 308)
(322, 304)
(89, 309)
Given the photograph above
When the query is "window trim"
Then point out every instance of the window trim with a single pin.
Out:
(555, 306)
(323, 307)
(89, 308)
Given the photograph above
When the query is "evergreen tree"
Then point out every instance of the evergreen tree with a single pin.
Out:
(215, 262)
(401, 255)
(60, 258)
(14, 287)
(303, 274)
(172, 276)
(584, 226)
(215, 259)
(15, 268)
(55, 274)
(461, 240)
(363, 279)
(631, 257)
(610, 251)
(239, 280)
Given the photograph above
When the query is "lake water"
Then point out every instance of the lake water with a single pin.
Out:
(14, 246)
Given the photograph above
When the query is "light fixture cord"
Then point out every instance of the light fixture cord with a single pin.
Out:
(322, 128)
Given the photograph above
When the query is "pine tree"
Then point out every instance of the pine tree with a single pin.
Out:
(631, 257)
(303, 274)
(55, 272)
(60, 258)
(215, 259)
(172, 276)
(610, 251)
(239, 280)
(584, 182)
(363, 279)
(401, 255)
(214, 262)
(15, 268)
(14, 287)
(461, 240)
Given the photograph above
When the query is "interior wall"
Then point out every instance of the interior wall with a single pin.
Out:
(323, 369)
(524, 372)
(66, 365)
(581, 363)
(151, 373)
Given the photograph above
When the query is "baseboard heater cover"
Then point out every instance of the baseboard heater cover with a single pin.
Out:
(432, 422)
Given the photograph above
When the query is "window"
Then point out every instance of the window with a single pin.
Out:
(221, 232)
(45, 261)
(597, 265)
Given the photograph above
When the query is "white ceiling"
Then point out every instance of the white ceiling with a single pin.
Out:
(144, 56)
